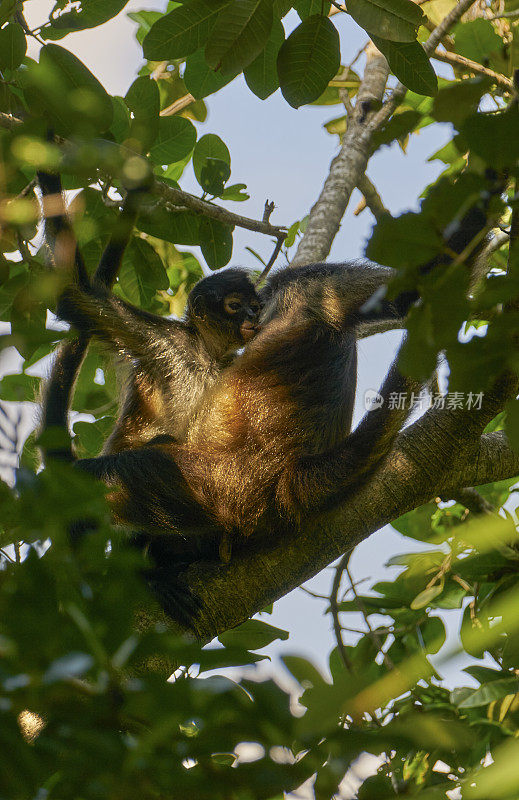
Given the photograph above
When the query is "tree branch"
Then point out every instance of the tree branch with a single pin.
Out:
(371, 199)
(348, 166)
(429, 46)
(440, 453)
(180, 198)
(466, 63)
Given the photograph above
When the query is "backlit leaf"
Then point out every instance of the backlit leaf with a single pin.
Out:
(262, 75)
(12, 46)
(409, 63)
(175, 140)
(396, 20)
(308, 60)
(215, 242)
(239, 35)
(183, 31)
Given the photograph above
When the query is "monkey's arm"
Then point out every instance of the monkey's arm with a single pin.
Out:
(61, 241)
(125, 328)
(59, 237)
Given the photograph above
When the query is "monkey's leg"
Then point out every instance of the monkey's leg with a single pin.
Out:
(315, 480)
(150, 497)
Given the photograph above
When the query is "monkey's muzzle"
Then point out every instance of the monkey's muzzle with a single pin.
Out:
(248, 330)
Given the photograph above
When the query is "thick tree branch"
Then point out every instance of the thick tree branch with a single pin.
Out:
(410, 477)
(347, 167)
(188, 201)
(440, 453)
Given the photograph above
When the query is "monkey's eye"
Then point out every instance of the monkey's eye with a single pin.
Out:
(232, 305)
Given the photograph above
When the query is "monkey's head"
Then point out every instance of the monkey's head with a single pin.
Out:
(225, 309)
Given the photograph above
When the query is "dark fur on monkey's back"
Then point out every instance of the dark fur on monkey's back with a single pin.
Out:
(271, 438)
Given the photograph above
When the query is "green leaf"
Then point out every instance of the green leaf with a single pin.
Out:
(142, 273)
(405, 241)
(253, 635)
(144, 19)
(180, 227)
(396, 20)
(143, 100)
(19, 388)
(426, 597)
(215, 242)
(433, 634)
(200, 80)
(235, 192)
(211, 163)
(489, 692)
(239, 35)
(308, 60)
(409, 63)
(398, 127)
(175, 140)
(416, 524)
(90, 436)
(120, 127)
(303, 671)
(477, 40)
(71, 99)
(486, 674)
(337, 125)
(307, 8)
(455, 102)
(494, 137)
(262, 75)
(281, 8)
(183, 31)
(89, 14)
(12, 46)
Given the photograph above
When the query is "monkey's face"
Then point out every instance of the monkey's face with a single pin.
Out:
(242, 313)
(225, 308)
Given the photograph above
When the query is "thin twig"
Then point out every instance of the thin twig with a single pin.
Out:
(334, 610)
(177, 105)
(272, 260)
(179, 197)
(375, 638)
(315, 595)
(207, 209)
(371, 199)
(460, 61)
(25, 191)
(6, 556)
(267, 211)
(505, 15)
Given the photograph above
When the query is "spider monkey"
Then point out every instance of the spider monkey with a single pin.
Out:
(271, 439)
(171, 363)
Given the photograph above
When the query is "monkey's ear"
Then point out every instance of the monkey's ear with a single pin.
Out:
(196, 307)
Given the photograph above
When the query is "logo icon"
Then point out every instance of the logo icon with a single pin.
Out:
(372, 400)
